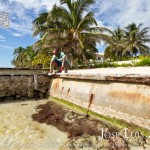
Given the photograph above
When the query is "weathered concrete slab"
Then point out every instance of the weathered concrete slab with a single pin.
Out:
(113, 71)
(22, 71)
(121, 74)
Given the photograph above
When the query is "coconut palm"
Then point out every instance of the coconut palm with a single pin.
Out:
(23, 57)
(29, 56)
(114, 42)
(136, 39)
(19, 54)
(39, 24)
(75, 30)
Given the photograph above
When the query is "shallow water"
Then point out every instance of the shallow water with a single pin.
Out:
(19, 132)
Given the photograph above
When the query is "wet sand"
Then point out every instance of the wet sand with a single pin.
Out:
(19, 132)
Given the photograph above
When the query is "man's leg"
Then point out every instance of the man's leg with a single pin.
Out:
(52, 65)
(65, 64)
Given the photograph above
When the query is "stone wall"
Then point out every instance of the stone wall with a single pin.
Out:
(23, 84)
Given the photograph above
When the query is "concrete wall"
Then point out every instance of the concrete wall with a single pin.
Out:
(22, 71)
(23, 83)
(123, 100)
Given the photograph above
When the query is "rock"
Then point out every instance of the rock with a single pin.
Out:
(134, 138)
(30, 93)
(118, 143)
(1, 99)
(17, 96)
(94, 143)
(8, 98)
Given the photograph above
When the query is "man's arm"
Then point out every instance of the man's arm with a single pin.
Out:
(51, 63)
(51, 66)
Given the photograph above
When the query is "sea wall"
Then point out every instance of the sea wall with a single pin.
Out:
(125, 97)
(23, 83)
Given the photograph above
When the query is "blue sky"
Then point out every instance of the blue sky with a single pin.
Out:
(109, 13)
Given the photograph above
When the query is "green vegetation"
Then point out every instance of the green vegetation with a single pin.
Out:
(126, 43)
(109, 121)
(23, 57)
(144, 62)
(69, 28)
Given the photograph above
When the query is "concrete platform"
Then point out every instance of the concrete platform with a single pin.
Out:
(114, 71)
(121, 74)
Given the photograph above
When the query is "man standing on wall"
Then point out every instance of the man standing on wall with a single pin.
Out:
(59, 61)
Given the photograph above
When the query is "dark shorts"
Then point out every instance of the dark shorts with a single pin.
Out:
(59, 63)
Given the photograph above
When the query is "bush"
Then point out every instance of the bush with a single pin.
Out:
(144, 62)
(103, 65)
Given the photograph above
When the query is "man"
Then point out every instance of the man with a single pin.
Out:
(59, 61)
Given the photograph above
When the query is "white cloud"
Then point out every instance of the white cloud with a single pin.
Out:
(23, 12)
(16, 34)
(36, 4)
(112, 13)
(2, 37)
(2, 40)
(7, 47)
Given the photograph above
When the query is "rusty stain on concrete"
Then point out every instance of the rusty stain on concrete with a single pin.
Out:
(62, 89)
(145, 80)
(68, 91)
(129, 96)
(56, 86)
(90, 101)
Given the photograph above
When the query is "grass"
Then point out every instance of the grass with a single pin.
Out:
(118, 123)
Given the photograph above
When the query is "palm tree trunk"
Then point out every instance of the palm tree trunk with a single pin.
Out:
(74, 63)
(85, 60)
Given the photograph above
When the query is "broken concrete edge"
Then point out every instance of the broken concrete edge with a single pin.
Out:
(23, 71)
(142, 79)
(118, 123)
(22, 74)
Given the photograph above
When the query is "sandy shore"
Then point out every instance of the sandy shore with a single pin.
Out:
(19, 132)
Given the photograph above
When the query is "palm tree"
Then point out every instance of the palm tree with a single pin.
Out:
(19, 54)
(73, 29)
(39, 24)
(114, 41)
(136, 39)
(29, 56)
(23, 57)
(127, 43)
(41, 59)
